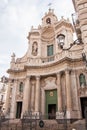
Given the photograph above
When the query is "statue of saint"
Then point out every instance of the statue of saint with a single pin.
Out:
(35, 48)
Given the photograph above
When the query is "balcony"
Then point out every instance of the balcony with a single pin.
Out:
(40, 61)
(76, 54)
(48, 59)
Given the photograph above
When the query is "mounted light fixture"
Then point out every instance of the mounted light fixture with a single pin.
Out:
(61, 40)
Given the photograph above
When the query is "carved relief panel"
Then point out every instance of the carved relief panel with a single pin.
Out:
(50, 83)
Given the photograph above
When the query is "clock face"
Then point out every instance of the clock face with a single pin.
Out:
(48, 21)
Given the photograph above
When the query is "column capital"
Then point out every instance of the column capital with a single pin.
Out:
(72, 72)
(28, 77)
(33, 82)
(67, 71)
(37, 77)
(15, 81)
(59, 73)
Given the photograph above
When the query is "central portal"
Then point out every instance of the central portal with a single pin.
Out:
(51, 111)
(51, 103)
(83, 105)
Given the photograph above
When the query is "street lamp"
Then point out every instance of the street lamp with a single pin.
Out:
(61, 42)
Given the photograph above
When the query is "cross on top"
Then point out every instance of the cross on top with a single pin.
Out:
(49, 5)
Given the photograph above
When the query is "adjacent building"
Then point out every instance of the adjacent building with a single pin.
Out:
(52, 76)
(3, 92)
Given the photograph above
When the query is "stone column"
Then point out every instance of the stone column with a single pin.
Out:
(26, 95)
(32, 96)
(59, 93)
(68, 91)
(37, 96)
(13, 100)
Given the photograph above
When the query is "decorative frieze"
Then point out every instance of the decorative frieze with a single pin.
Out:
(82, 91)
(19, 96)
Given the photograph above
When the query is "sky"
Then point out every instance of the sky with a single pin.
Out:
(16, 19)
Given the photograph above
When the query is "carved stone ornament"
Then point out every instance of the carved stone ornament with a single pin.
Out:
(19, 96)
(50, 83)
(51, 93)
(82, 91)
(35, 49)
(60, 115)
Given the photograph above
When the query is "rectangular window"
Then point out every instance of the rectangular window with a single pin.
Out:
(50, 50)
(50, 53)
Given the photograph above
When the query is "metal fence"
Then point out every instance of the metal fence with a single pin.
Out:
(32, 121)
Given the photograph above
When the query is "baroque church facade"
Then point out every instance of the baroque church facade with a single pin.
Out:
(50, 78)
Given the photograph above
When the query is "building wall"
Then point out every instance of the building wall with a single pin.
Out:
(81, 9)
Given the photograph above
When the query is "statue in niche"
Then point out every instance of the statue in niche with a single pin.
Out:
(35, 48)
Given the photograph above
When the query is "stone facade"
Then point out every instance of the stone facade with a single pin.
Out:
(47, 79)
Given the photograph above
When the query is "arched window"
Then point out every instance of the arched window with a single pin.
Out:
(21, 87)
(82, 80)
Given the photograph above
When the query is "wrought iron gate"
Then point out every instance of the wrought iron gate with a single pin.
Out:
(29, 121)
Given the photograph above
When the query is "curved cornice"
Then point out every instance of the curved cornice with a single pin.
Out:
(49, 68)
(50, 64)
